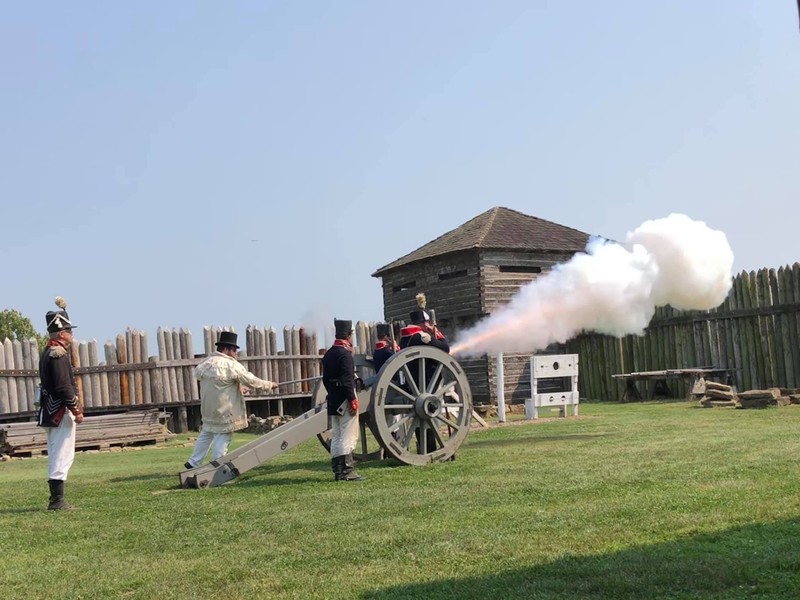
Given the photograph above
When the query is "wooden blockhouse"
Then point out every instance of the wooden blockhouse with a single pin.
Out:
(469, 272)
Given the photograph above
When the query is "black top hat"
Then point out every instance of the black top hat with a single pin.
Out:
(343, 328)
(419, 316)
(382, 329)
(228, 338)
(58, 320)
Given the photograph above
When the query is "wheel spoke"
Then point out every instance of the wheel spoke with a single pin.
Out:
(423, 439)
(411, 382)
(437, 435)
(445, 388)
(398, 407)
(448, 422)
(422, 373)
(400, 423)
(435, 379)
(401, 391)
(409, 434)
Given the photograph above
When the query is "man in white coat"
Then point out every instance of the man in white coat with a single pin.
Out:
(222, 405)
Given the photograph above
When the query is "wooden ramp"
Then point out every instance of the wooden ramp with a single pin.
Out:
(95, 433)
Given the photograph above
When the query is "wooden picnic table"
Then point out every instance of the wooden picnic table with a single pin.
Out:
(657, 381)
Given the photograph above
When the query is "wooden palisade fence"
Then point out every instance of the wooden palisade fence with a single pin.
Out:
(755, 333)
(127, 377)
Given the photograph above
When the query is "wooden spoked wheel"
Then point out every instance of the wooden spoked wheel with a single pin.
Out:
(421, 406)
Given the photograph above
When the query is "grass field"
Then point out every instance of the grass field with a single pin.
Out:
(650, 500)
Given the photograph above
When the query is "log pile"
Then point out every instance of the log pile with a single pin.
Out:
(715, 395)
(720, 395)
(260, 425)
(100, 432)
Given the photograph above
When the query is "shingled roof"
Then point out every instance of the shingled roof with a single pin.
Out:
(498, 228)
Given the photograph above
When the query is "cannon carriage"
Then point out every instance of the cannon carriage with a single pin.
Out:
(417, 410)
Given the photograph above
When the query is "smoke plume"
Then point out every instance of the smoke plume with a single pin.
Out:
(611, 288)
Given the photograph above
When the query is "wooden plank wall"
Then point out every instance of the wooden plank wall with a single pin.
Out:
(126, 376)
(503, 273)
(451, 284)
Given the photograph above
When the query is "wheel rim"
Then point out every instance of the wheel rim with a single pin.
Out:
(421, 406)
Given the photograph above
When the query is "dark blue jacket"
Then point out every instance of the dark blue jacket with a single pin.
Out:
(338, 376)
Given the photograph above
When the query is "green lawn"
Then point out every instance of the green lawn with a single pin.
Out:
(651, 500)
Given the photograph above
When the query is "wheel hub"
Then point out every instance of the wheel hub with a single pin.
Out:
(428, 406)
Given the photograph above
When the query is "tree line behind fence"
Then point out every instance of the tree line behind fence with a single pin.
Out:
(127, 376)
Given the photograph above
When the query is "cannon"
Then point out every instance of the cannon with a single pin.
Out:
(417, 409)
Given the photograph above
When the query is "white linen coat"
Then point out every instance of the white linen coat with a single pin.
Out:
(222, 404)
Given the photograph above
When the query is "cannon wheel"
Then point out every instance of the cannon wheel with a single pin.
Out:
(367, 448)
(415, 415)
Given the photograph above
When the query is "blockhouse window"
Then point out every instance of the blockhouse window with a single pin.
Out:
(452, 275)
(519, 269)
(404, 286)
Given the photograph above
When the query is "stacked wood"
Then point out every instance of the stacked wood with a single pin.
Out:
(100, 432)
(759, 398)
(716, 395)
(261, 425)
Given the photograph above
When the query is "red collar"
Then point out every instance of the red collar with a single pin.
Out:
(343, 344)
(56, 342)
(381, 345)
(410, 330)
(413, 329)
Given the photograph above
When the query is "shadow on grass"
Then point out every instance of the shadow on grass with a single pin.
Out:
(755, 561)
(19, 511)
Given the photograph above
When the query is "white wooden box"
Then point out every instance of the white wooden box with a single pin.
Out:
(549, 367)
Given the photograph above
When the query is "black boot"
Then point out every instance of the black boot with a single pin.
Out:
(337, 464)
(349, 471)
(57, 501)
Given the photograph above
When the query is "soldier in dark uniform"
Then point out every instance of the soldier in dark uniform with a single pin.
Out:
(338, 377)
(422, 332)
(60, 408)
(384, 347)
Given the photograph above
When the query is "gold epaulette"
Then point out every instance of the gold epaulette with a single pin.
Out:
(58, 351)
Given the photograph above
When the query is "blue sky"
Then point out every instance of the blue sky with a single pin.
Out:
(191, 164)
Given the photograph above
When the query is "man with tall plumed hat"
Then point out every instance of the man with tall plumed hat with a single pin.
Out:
(60, 408)
(222, 405)
(338, 377)
(423, 332)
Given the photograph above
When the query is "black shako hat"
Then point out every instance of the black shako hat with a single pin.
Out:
(58, 320)
(419, 316)
(342, 328)
(228, 338)
(382, 330)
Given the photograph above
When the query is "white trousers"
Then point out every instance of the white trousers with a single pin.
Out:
(344, 433)
(61, 447)
(218, 442)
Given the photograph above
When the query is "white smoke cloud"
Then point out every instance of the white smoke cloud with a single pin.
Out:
(612, 288)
